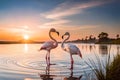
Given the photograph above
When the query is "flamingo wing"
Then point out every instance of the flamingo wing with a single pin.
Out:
(47, 45)
(73, 49)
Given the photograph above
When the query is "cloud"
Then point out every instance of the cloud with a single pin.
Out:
(57, 22)
(83, 27)
(68, 9)
(54, 23)
(16, 30)
(57, 15)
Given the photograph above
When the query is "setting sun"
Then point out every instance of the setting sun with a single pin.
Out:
(26, 37)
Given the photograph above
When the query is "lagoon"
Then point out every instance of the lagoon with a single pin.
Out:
(25, 62)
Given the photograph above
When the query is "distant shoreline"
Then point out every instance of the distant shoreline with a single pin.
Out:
(15, 42)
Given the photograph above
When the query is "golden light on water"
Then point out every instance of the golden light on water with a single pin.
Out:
(26, 47)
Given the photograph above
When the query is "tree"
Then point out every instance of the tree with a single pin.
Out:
(86, 38)
(94, 38)
(117, 36)
(90, 37)
(103, 37)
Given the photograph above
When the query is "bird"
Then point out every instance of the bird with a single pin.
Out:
(70, 48)
(49, 45)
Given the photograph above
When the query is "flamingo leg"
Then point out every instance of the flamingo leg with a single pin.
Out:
(48, 57)
(72, 62)
(71, 73)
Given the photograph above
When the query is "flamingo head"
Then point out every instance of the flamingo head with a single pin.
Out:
(67, 33)
(54, 30)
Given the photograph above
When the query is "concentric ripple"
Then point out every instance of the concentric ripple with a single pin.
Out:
(60, 68)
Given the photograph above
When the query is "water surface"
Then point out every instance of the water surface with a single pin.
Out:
(25, 62)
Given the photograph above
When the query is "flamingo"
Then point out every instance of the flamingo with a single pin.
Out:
(49, 45)
(70, 48)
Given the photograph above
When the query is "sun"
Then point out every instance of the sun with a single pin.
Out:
(26, 37)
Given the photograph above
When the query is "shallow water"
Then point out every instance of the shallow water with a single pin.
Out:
(25, 62)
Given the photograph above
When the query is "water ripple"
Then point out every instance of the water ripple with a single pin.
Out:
(61, 67)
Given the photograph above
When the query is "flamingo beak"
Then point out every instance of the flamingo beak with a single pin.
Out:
(80, 54)
(57, 33)
(62, 36)
(40, 49)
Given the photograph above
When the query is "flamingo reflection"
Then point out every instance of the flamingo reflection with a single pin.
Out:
(71, 77)
(47, 75)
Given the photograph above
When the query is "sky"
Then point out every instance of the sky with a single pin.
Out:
(79, 17)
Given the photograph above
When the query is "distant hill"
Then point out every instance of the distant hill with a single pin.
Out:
(9, 42)
(111, 41)
(19, 42)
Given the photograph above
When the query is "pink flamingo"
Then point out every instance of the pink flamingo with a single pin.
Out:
(72, 49)
(50, 45)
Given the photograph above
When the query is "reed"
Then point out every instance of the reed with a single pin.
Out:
(113, 69)
(105, 71)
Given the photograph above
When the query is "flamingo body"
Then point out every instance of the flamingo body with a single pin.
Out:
(70, 48)
(49, 45)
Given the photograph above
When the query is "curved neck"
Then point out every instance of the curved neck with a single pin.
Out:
(56, 43)
(62, 45)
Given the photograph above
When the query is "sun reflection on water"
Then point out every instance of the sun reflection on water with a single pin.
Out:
(26, 47)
